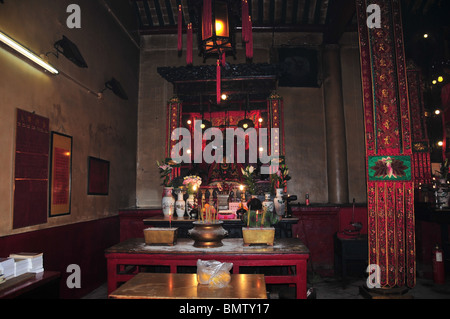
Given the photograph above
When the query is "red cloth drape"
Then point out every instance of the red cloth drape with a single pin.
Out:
(223, 59)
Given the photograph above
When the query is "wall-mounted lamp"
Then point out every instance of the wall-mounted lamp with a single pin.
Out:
(116, 87)
(70, 51)
(27, 53)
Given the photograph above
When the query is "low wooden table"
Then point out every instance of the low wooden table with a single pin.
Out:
(289, 252)
(186, 286)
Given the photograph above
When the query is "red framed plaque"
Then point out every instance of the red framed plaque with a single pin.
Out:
(60, 174)
(30, 169)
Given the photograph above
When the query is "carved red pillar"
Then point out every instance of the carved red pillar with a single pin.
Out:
(390, 186)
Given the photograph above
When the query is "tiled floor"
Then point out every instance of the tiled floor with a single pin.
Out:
(333, 288)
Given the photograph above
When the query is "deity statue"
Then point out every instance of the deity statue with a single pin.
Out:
(224, 172)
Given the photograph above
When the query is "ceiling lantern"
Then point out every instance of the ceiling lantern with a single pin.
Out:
(216, 35)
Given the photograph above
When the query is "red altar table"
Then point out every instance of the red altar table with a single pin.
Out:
(289, 252)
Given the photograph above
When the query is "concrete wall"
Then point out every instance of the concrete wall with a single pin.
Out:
(305, 128)
(104, 128)
(354, 123)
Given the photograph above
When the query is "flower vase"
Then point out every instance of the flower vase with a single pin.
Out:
(267, 203)
(278, 201)
(190, 202)
(168, 202)
(180, 205)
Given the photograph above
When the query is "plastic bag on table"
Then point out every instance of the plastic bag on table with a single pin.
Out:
(213, 273)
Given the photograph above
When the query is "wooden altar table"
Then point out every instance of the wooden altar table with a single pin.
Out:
(186, 286)
(289, 252)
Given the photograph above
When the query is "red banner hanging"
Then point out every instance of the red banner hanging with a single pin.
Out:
(189, 44)
(180, 33)
(218, 81)
(174, 110)
(249, 44)
(244, 18)
(207, 19)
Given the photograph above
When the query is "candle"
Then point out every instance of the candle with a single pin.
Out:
(170, 220)
(212, 215)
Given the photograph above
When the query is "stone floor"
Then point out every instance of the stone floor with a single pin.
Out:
(333, 288)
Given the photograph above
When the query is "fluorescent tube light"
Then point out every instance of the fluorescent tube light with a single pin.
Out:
(27, 53)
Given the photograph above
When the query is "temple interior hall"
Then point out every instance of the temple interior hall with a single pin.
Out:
(225, 149)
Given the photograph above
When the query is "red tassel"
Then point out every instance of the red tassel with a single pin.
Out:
(180, 33)
(189, 45)
(218, 81)
(244, 21)
(249, 45)
(223, 59)
(207, 19)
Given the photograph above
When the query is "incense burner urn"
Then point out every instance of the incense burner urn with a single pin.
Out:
(207, 235)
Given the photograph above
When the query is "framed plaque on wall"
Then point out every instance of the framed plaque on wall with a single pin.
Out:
(31, 169)
(60, 174)
(98, 176)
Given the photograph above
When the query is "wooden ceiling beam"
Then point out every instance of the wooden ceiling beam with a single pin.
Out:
(258, 28)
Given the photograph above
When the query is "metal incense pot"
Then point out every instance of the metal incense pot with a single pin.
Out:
(208, 234)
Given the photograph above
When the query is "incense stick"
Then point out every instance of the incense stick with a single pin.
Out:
(248, 216)
(263, 217)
